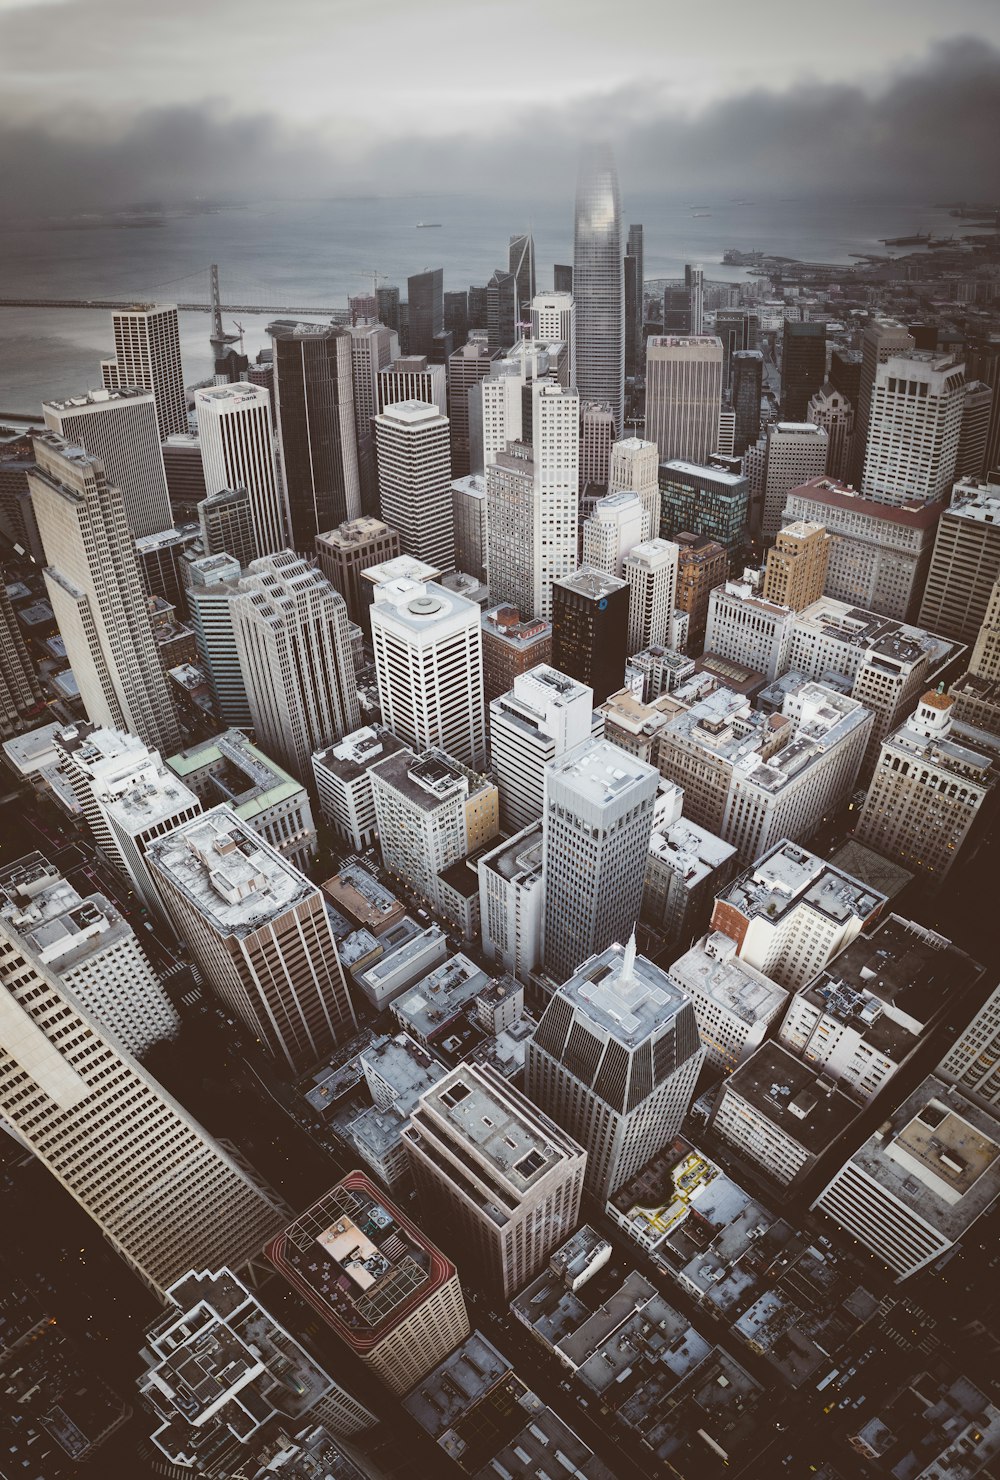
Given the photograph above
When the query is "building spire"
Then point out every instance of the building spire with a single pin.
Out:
(628, 961)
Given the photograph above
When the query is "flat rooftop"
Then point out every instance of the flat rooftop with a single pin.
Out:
(53, 920)
(417, 607)
(690, 851)
(885, 636)
(440, 1398)
(701, 473)
(351, 757)
(628, 997)
(399, 568)
(435, 1000)
(519, 860)
(404, 1065)
(89, 400)
(789, 876)
(600, 773)
(429, 779)
(786, 1091)
(730, 982)
(592, 583)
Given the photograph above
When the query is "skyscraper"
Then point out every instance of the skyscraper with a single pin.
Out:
(345, 552)
(598, 283)
(634, 303)
(747, 382)
(314, 400)
(803, 366)
(796, 565)
(795, 452)
(237, 451)
(590, 629)
(830, 409)
(413, 378)
(738, 329)
(373, 348)
(212, 585)
(882, 338)
(226, 523)
(20, 690)
(425, 296)
(553, 321)
(291, 630)
(694, 282)
(597, 819)
(614, 1061)
(148, 354)
(683, 395)
(466, 368)
(521, 262)
(650, 569)
(502, 313)
(616, 524)
(260, 933)
(93, 583)
(120, 428)
(635, 464)
(544, 715)
(456, 316)
(413, 443)
(914, 427)
(165, 1195)
(597, 433)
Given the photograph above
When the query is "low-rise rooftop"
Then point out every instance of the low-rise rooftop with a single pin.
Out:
(726, 980)
(426, 1008)
(806, 1107)
(790, 876)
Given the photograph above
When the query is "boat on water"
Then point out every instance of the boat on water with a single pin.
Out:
(918, 239)
(426, 225)
(701, 213)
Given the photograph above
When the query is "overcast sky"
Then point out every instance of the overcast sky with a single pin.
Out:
(110, 101)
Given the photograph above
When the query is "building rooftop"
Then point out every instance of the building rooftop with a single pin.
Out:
(884, 636)
(420, 607)
(785, 1090)
(592, 583)
(505, 624)
(703, 473)
(399, 959)
(33, 750)
(976, 501)
(241, 774)
(913, 514)
(600, 772)
(235, 394)
(404, 1066)
(411, 413)
(426, 1008)
(100, 396)
(429, 779)
(882, 875)
(55, 922)
(519, 859)
(227, 872)
(946, 752)
(720, 974)
(353, 532)
(789, 876)
(399, 568)
(623, 994)
(351, 757)
(440, 1398)
(363, 896)
(690, 851)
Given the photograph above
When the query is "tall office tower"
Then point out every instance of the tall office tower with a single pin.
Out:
(614, 1061)
(511, 901)
(466, 368)
(747, 386)
(553, 321)
(237, 451)
(127, 796)
(498, 1182)
(373, 349)
(555, 414)
(794, 452)
(676, 309)
(184, 471)
(502, 311)
(456, 316)
(260, 933)
(914, 1189)
(425, 296)
(882, 338)
(929, 789)
(314, 401)
(343, 782)
(973, 1061)
(597, 434)
(119, 427)
(635, 464)
(738, 329)
(361, 306)
(545, 715)
(683, 395)
(803, 366)
(965, 562)
(630, 283)
(400, 1324)
(164, 1194)
(345, 552)
(161, 559)
(477, 310)
(726, 440)
(227, 527)
(698, 499)
(795, 575)
(634, 249)
(744, 628)
(213, 581)
(429, 662)
(650, 569)
(590, 615)
(20, 689)
(468, 510)
(93, 584)
(562, 277)
(694, 283)
(521, 262)
(513, 529)
(616, 525)
(511, 645)
(974, 436)
(413, 444)
(92, 949)
(17, 519)
(387, 306)
(261, 1377)
(597, 818)
(915, 423)
(701, 566)
(598, 283)
(832, 411)
(291, 630)
(984, 362)
(148, 354)
(977, 691)
(845, 374)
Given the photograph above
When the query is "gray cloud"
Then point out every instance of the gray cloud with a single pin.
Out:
(929, 129)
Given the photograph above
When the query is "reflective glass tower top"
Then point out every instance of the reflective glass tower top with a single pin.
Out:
(598, 283)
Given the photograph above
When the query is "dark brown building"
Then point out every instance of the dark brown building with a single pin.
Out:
(511, 645)
(590, 629)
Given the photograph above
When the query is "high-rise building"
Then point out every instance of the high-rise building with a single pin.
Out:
(701, 566)
(545, 715)
(456, 316)
(694, 283)
(513, 520)
(739, 330)
(469, 513)
(260, 933)
(597, 818)
(617, 523)
(413, 444)
(685, 868)
(650, 569)
(352, 548)
(93, 583)
(413, 378)
(590, 617)
(562, 277)
(635, 465)
(164, 1194)
(213, 582)
(676, 309)
(972, 1063)
(683, 395)
(632, 284)
(598, 284)
(795, 574)
(512, 644)
(387, 306)
(184, 471)
(511, 902)
(343, 781)
(119, 427)
(227, 527)
(18, 525)
(502, 316)
(734, 1004)
(237, 451)
(614, 1061)
(148, 354)
(498, 1181)
(20, 689)
(399, 1325)
(373, 349)
(291, 631)
(974, 436)
(521, 262)
(929, 789)
(700, 499)
(261, 1375)
(314, 403)
(803, 366)
(425, 296)
(965, 562)
(914, 427)
(845, 374)
(429, 662)
(977, 691)
(882, 338)
(747, 387)
(794, 453)
(597, 433)
(467, 366)
(553, 321)
(830, 409)
(743, 627)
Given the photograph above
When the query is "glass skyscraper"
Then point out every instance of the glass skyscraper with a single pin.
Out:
(598, 283)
